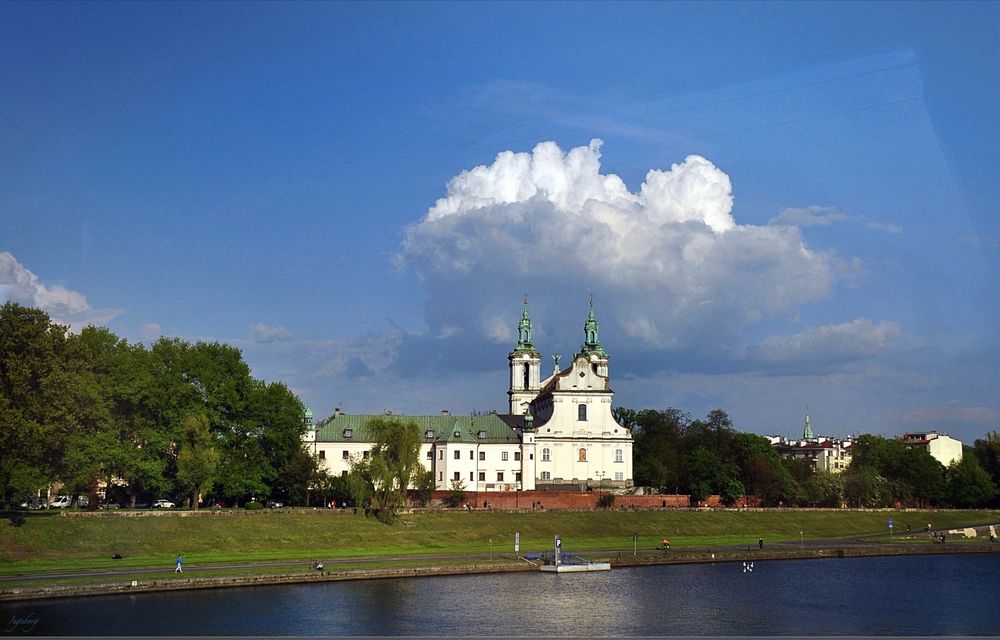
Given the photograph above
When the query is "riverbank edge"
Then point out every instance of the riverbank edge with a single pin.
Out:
(622, 561)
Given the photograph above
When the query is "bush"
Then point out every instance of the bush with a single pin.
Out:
(253, 506)
(606, 501)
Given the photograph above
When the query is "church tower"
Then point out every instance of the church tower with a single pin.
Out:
(525, 366)
(807, 433)
(592, 349)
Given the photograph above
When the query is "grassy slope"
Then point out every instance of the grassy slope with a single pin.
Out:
(49, 542)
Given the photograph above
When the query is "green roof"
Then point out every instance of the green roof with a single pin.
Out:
(444, 428)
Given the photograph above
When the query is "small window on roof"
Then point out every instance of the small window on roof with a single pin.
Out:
(482, 434)
(348, 433)
(458, 434)
(429, 433)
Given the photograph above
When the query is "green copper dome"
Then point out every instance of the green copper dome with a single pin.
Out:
(591, 339)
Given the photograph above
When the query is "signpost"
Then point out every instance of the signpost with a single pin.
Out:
(558, 550)
(517, 545)
(635, 541)
(890, 529)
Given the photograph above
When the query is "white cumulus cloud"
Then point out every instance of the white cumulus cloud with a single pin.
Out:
(668, 263)
(265, 333)
(19, 284)
(833, 342)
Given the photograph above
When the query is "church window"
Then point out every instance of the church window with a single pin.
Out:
(517, 456)
(457, 476)
(546, 475)
(503, 456)
(322, 455)
(582, 455)
(482, 455)
(527, 376)
(545, 455)
(618, 455)
(581, 412)
(499, 476)
(458, 454)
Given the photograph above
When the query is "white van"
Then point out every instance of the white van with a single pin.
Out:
(61, 502)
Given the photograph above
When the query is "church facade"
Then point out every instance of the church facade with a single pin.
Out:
(558, 433)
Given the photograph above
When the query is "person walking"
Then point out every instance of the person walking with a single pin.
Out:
(180, 564)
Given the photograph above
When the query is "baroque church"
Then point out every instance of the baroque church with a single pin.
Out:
(559, 432)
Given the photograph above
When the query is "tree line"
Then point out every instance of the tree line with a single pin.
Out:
(678, 454)
(176, 419)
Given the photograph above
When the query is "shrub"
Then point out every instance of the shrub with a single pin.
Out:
(606, 501)
(253, 506)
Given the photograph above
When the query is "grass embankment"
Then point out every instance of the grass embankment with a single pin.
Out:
(51, 543)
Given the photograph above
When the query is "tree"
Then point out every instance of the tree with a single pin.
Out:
(457, 496)
(197, 459)
(425, 485)
(987, 452)
(823, 489)
(968, 484)
(390, 468)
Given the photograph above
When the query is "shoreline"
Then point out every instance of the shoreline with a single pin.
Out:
(19, 594)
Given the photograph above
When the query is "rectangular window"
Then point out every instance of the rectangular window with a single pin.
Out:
(364, 455)
(581, 413)
(471, 479)
(472, 454)
(482, 455)
(457, 477)
(346, 455)
(618, 455)
(322, 455)
(441, 454)
(546, 475)
(545, 455)
(619, 475)
(517, 477)
(482, 476)
(517, 456)
(430, 454)
(458, 454)
(440, 476)
(499, 476)
(503, 456)
(343, 474)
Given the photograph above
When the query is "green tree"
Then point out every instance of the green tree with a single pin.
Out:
(197, 459)
(987, 452)
(968, 484)
(457, 496)
(37, 416)
(823, 489)
(425, 485)
(390, 468)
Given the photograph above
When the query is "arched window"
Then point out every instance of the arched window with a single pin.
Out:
(545, 455)
(618, 455)
(583, 455)
(581, 412)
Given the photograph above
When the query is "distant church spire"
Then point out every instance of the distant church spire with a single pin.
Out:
(591, 339)
(524, 331)
(807, 433)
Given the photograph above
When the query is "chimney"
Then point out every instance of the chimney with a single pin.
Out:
(336, 412)
(445, 412)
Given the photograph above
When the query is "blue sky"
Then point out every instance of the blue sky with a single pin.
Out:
(773, 205)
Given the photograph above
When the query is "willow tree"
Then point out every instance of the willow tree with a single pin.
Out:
(393, 463)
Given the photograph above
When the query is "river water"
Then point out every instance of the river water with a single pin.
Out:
(910, 595)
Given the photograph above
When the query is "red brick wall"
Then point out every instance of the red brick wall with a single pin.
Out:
(558, 500)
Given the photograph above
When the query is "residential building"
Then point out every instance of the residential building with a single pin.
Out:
(941, 446)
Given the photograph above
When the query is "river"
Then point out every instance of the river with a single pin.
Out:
(910, 595)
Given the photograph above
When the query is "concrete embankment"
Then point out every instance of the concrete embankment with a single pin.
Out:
(621, 560)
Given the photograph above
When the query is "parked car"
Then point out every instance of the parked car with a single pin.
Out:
(163, 504)
(274, 504)
(61, 502)
(33, 504)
